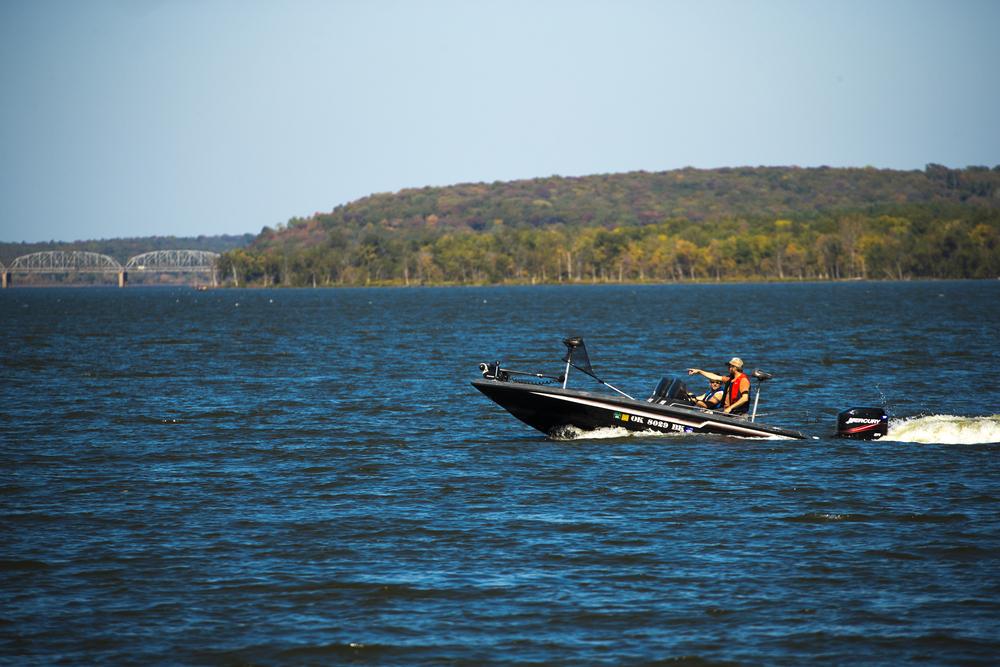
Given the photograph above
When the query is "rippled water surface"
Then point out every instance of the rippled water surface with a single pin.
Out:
(308, 477)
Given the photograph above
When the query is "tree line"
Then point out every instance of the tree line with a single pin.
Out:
(745, 223)
(912, 241)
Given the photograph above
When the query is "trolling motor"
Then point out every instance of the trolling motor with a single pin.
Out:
(862, 423)
(494, 372)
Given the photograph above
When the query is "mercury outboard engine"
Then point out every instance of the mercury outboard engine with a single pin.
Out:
(862, 423)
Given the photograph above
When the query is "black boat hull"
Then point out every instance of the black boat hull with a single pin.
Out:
(552, 410)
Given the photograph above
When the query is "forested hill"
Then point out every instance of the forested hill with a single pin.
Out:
(734, 223)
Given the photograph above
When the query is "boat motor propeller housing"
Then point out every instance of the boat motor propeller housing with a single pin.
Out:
(862, 423)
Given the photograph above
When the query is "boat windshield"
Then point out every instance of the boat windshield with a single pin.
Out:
(669, 389)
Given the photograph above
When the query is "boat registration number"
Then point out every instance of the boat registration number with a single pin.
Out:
(655, 423)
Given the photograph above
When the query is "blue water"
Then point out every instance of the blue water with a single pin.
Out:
(273, 477)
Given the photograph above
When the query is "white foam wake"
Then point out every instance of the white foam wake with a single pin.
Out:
(603, 433)
(945, 429)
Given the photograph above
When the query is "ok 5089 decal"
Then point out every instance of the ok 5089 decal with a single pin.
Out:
(654, 423)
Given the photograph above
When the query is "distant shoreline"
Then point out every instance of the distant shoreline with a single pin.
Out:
(389, 285)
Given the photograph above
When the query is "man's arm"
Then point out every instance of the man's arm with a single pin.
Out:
(710, 376)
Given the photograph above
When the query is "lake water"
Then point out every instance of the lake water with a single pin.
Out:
(284, 476)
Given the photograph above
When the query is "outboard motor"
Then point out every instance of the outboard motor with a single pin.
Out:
(669, 389)
(862, 423)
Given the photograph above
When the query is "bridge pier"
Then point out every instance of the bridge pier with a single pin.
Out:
(5, 279)
(122, 278)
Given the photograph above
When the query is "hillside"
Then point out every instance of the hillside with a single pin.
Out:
(739, 223)
(639, 198)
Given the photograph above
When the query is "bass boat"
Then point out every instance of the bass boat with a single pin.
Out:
(549, 405)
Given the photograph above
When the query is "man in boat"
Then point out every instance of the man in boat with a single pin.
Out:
(711, 399)
(736, 399)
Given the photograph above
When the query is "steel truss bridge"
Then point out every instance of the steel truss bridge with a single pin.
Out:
(58, 262)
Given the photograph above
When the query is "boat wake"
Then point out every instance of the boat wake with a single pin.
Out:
(605, 433)
(946, 429)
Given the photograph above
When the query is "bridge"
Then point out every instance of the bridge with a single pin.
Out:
(60, 262)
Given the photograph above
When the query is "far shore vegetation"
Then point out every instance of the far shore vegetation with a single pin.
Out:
(752, 224)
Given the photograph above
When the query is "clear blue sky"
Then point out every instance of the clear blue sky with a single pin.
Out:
(187, 117)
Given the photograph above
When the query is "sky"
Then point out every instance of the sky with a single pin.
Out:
(124, 118)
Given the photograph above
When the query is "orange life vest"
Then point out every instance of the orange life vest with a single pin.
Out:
(733, 391)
